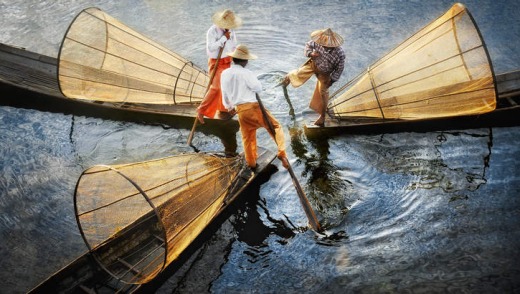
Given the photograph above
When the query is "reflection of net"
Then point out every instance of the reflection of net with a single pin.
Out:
(442, 70)
(137, 218)
(101, 59)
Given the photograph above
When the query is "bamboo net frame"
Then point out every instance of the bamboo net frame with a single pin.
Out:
(103, 60)
(137, 218)
(443, 70)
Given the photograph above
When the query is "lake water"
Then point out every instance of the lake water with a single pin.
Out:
(405, 212)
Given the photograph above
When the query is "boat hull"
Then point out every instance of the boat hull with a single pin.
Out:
(506, 114)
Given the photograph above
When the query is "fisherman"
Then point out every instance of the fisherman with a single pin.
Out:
(239, 89)
(326, 61)
(220, 36)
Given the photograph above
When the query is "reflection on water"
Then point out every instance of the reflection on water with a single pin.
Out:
(452, 161)
(408, 212)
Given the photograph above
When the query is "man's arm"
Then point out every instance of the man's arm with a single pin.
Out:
(213, 40)
(309, 47)
(253, 83)
(226, 99)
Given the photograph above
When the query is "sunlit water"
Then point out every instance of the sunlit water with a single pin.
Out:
(422, 212)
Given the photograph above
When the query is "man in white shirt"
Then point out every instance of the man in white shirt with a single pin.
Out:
(220, 35)
(239, 89)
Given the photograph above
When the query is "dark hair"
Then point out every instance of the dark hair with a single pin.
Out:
(238, 60)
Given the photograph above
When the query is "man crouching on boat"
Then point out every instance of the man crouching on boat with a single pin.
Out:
(239, 87)
(326, 60)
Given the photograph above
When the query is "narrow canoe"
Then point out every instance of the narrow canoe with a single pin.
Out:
(88, 274)
(507, 113)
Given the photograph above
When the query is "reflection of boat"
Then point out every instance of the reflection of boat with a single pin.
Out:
(160, 207)
(441, 72)
(103, 64)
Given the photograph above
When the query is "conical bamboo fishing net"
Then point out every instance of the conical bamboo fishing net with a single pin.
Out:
(101, 59)
(443, 70)
(137, 218)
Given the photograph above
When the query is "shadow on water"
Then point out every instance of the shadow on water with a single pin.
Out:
(248, 223)
(245, 221)
(324, 188)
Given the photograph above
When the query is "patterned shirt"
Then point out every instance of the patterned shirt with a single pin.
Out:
(331, 60)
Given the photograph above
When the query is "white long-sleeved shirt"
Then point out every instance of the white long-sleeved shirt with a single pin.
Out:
(239, 85)
(215, 39)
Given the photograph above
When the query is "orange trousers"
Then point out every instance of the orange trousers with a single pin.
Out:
(320, 98)
(212, 101)
(250, 119)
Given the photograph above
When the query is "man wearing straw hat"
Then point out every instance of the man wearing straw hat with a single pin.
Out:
(326, 61)
(220, 40)
(239, 94)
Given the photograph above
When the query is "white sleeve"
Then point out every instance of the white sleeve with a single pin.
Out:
(253, 83)
(226, 101)
(213, 41)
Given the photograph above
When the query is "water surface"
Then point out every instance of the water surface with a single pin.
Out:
(420, 212)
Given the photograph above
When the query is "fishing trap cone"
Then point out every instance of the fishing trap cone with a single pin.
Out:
(443, 70)
(137, 218)
(103, 60)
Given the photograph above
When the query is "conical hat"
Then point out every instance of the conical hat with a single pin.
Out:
(242, 52)
(226, 19)
(327, 38)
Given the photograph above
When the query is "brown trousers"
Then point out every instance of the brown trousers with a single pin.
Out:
(250, 119)
(320, 98)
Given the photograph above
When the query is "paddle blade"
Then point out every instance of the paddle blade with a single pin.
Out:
(313, 221)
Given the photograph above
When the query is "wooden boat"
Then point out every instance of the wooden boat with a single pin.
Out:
(104, 65)
(136, 234)
(439, 74)
(507, 113)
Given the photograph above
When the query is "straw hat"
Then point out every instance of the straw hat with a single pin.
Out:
(327, 38)
(242, 52)
(226, 19)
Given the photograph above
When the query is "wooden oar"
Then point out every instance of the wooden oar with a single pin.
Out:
(190, 137)
(313, 221)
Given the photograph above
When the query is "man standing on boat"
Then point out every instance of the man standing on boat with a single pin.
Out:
(239, 95)
(220, 40)
(326, 61)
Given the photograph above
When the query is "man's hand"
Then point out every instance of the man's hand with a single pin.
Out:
(227, 33)
(314, 54)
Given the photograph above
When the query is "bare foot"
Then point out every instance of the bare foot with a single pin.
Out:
(320, 122)
(200, 117)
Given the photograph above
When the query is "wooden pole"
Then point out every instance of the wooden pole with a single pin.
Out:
(311, 216)
(192, 132)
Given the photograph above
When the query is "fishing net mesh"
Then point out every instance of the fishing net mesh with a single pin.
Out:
(103, 60)
(137, 218)
(442, 70)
